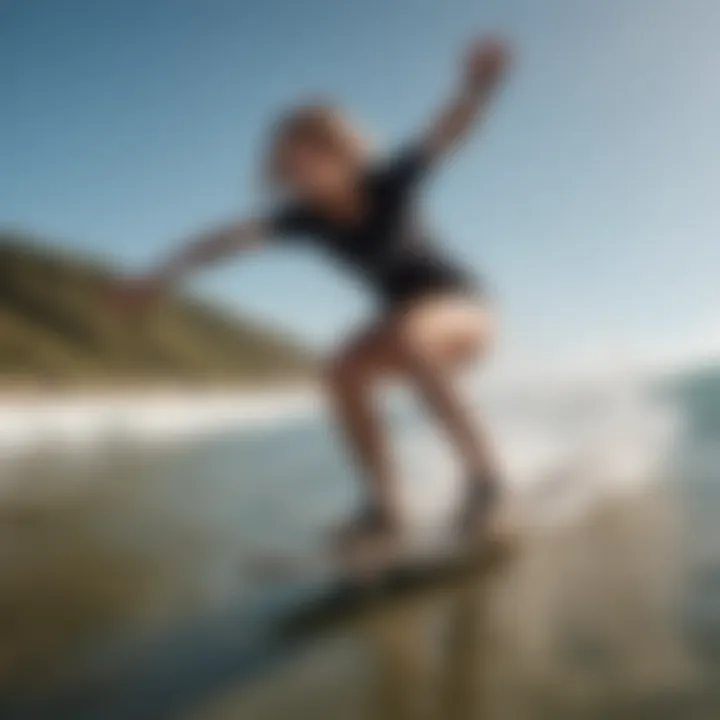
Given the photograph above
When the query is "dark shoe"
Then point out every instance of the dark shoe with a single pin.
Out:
(372, 522)
(481, 501)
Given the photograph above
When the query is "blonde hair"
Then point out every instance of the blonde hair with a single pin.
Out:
(318, 123)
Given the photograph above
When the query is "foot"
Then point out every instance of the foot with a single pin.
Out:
(372, 522)
(480, 506)
(368, 541)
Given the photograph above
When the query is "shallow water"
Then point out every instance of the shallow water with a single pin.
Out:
(129, 589)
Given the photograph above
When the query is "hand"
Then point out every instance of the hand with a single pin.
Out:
(133, 296)
(487, 62)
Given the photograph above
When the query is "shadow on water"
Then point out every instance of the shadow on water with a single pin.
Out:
(121, 597)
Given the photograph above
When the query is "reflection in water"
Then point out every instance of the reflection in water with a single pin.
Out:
(430, 664)
(121, 584)
(583, 623)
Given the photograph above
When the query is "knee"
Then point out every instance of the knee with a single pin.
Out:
(434, 347)
(413, 345)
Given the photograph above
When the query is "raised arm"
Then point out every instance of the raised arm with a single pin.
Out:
(198, 252)
(486, 64)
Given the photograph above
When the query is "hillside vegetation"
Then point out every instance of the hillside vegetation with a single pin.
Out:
(58, 328)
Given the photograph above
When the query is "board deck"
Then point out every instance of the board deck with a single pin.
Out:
(431, 562)
(421, 556)
(342, 598)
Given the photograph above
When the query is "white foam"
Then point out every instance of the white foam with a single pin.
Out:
(85, 421)
(563, 450)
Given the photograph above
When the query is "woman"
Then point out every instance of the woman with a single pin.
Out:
(433, 317)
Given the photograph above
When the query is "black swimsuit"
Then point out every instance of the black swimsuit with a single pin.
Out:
(388, 248)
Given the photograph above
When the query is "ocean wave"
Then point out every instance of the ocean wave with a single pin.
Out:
(77, 422)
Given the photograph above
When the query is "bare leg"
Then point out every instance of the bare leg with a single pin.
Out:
(434, 339)
(465, 432)
(351, 382)
(425, 345)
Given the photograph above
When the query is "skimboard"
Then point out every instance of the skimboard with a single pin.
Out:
(348, 596)
(417, 556)
(424, 557)
(421, 559)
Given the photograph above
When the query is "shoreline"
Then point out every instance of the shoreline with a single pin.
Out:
(93, 417)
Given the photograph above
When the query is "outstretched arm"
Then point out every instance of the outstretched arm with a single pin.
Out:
(486, 64)
(210, 248)
(206, 249)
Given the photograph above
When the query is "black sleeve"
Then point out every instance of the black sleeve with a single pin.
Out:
(289, 221)
(407, 168)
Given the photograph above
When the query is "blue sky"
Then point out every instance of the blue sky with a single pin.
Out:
(589, 199)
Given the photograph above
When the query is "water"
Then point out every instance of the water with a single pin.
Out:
(129, 583)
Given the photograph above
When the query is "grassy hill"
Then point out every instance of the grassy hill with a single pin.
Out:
(57, 328)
